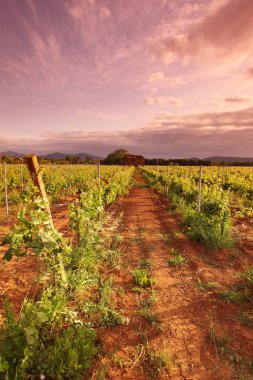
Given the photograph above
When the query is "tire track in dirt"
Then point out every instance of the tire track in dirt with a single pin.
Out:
(186, 313)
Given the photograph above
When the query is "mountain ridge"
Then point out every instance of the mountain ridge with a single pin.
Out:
(54, 155)
(59, 156)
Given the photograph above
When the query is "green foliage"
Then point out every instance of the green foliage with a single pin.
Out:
(54, 336)
(109, 316)
(116, 157)
(246, 319)
(142, 278)
(247, 275)
(178, 261)
(156, 362)
(236, 296)
(212, 225)
(206, 286)
(38, 344)
(144, 264)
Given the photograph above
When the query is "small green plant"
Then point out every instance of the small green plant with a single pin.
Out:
(173, 251)
(118, 361)
(206, 286)
(247, 275)
(137, 239)
(111, 317)
(108, 316)
(164, 237)
(150, 317)
(143, 337)
(118, 238)
(148, 300)
(144, 264)
(236, 296)
(142, 278)
(246, 319)
(157, 362)
(178, 261)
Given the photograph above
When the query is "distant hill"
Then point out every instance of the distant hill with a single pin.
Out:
(228, 159)
(55, 155)
(82, 156)
(9, 153)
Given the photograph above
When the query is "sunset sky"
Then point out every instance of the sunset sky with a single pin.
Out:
(163, 78)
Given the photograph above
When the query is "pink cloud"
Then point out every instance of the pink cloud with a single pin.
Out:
(237, 99)
(159, 77)
(168, 135)
(225, 35)
(249, 72)
(164, 100)
(104, 12)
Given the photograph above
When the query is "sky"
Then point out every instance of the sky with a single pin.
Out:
(162, 78)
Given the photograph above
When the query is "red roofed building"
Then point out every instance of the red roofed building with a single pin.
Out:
(133, 160)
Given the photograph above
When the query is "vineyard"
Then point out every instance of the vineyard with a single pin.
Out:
(129, 273)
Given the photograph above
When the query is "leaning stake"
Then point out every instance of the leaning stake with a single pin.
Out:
(6, 194)
(200, 185)
(34, 170)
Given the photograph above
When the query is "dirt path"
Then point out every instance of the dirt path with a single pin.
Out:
(189, 332)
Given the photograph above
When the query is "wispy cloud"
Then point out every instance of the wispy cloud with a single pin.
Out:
(237, 99)
(185, 135)
(102, 114)
(249, 72)
(225, 35)
(164, 100)
(159, 78)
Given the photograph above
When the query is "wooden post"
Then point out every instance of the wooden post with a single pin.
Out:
(34, 170)
(200, 185)
(21, 174)
(69, 171)
(99, 170)
(6, 194)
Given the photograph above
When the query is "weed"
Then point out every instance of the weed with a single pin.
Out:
(213, 264)
(38, 343)
(118, 361)
(246, 320)
(205, 286)
(111, 317)
(150, 317)
(247, 275)
(118, 238)
(121, 290)
(143, 337)
(114, 258)
(173, 251)
(144, 264)
(138, 289)
(148, 301)
(157, 362)
(177, 261)
(141, 278)
(164, 237)
(236, 296)
(137, 239)
(108, 316)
